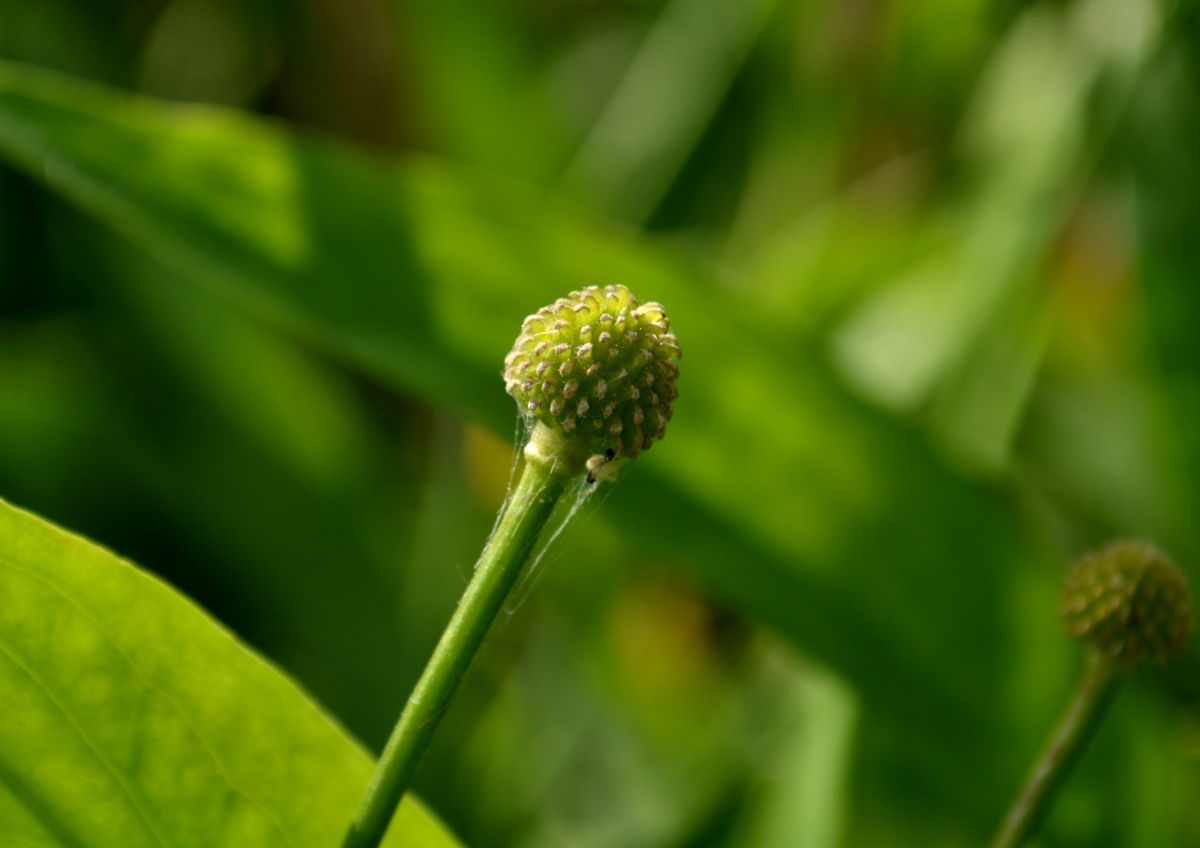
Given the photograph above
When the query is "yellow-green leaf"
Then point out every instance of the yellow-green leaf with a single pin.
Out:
(129, 717)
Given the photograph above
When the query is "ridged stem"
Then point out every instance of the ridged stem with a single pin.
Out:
(1101, 682)
(542, 482)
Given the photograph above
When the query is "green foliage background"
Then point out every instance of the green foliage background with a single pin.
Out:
(932, 265)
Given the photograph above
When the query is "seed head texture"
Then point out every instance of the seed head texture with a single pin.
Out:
(1128, 601)
(600, 367)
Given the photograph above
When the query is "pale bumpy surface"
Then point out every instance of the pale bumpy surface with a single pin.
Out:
(1129, 601)
(599, 366)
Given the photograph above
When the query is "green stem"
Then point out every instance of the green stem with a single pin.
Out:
(541, 484)
(1100, 684)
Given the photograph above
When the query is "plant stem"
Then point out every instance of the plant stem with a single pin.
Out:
(542, 482)
(1101, 682)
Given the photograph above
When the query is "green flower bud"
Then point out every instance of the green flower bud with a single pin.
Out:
(1129, 602)
(598, 367)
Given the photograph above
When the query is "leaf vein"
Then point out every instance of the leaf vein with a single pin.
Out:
(39, 808)
(91, 745)
(175, 705)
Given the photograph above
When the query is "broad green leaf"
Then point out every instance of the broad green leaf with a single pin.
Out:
(128, 717)
(776, 489)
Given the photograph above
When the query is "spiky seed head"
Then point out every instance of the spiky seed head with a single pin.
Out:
(600, 367)
(1128, 601)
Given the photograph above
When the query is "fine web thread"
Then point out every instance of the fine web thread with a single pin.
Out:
(547, 550)
(579, 493)
(521, 433)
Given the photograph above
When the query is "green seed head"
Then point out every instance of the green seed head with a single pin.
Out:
(599, 367)
(1129, 602)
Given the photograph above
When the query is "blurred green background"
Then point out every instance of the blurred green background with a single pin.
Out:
(934, 268)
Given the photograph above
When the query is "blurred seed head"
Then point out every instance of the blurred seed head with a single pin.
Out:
(1129, 602)
(598, 366)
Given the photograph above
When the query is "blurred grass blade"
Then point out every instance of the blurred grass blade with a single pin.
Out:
(957, 318)
(803, 800)
(131, 718)
(664, 102)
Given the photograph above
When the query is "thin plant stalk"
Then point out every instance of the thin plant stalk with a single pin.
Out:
(538, 489)
(594, 374)
(1100, 684)
(1129, 604)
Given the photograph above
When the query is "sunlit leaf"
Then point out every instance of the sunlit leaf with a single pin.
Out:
(131, 718)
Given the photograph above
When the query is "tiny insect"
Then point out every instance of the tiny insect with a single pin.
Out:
(602, 467)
